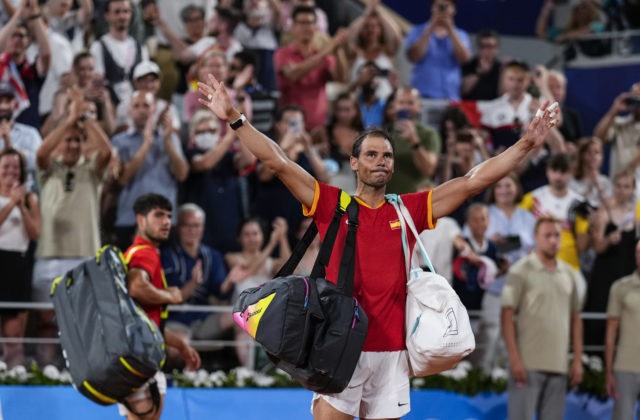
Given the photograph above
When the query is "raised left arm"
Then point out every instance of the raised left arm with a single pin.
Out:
(450, 195)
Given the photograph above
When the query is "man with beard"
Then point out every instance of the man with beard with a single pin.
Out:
(116, 53)
(15, 135)
(379, 387)
(152, 161)
(542, 291)
(148, 287)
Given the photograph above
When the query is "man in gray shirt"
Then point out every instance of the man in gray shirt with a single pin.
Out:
(151, 162)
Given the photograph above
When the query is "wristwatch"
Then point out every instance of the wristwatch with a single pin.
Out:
(238, 123)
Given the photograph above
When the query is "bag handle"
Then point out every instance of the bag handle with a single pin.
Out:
(348, 260)
(404, 215)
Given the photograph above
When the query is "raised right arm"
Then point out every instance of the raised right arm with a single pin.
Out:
(301, 184)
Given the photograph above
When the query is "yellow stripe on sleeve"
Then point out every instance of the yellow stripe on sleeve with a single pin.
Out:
(316, 195)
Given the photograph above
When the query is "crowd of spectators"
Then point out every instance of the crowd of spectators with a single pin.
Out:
(111, 87)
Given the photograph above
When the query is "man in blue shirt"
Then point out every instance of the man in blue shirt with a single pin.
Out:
(199, 271)
(438, 48)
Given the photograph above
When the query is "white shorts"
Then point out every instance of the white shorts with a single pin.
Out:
(379, 387)
(45, 270)
(143, 392)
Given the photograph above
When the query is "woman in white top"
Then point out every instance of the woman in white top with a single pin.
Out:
(256, 259)
(19, 223)
(375, 38)
(587, 179)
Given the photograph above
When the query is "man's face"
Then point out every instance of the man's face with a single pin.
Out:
(478, 221)
(464, 150)
(72, 147)
(149, 82)
(119, 15)
(190, 228)
(84, 71)
(7, 105)
(516, 82)
(194, 24)
(558, 89)
(374, 166)
(156, 225)
(407, 100)
(140, 108)
(19, 41)
(488, 48)
(548, 239)
(558, 180)
(304, 27)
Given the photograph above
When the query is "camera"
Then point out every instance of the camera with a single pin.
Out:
(632, 101)
(403, 114)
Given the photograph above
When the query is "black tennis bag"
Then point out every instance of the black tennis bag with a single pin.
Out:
(110, 345)
(309, 327)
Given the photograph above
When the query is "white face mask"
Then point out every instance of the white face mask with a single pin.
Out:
(206, 141)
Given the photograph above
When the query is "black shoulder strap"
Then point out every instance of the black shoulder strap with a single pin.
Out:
(330, 238)
(298, 251)
(348, 260)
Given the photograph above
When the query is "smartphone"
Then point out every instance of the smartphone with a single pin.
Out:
(97, 83)
(511, 243)
(383, 73)
(633, 101)
(295, 126)
(403, 114)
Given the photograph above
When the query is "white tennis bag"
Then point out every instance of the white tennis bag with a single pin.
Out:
(437, 325)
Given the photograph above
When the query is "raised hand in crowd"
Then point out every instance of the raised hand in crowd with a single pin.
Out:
(5, 132)
(196, 280)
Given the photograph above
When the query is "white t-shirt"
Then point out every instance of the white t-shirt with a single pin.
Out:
(439, 245)
(123, 52)
(13, 234)
(499, 112)
(61, 61)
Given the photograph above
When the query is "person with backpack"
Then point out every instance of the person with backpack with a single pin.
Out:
(379, 387)
(147, 285)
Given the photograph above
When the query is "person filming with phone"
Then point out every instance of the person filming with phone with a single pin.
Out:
(622, 130)
(417, 146)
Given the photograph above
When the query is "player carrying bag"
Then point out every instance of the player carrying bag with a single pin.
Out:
(309, 327)
(111, 347)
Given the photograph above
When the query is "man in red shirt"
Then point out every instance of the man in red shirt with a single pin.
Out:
(379, 387)
(148, 287)
(303, 69)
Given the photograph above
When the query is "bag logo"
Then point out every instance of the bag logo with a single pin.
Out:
(452, 329)
(249, 319)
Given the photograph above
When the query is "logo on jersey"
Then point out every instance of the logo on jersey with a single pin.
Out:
(395, 224)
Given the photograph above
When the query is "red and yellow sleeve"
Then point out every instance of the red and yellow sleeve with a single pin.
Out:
(309, 212)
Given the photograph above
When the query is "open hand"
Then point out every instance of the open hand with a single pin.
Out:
(216, 99)
(546, 118)
(191, 357)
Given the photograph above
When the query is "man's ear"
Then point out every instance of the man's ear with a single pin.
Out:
(354, 163)
(140, 221)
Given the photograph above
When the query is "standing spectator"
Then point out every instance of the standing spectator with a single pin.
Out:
(613, 235)
(587, 180)
(622, 130)
(147, 78)
(556, 199)
(255, 260)
(505, 117)
(303, 69)
(571, 125)
(622, 376)
(71, 24)
(15, 38)
(481, 75)
(19, 223)
(366, 84)
(151, 160)
(21, 137)
(375, 38)
(511, 229)
(417, 146)
(92, 85)
(116, 53)
(288, 6)
(272, 198)
(541, 290)
(438, 48)
(217, 163)
(337, 137)
(199, 271)
(259, 35)
(59, 66)
(147, 285)
(70, 195)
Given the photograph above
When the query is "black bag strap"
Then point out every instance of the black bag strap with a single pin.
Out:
(155, 400)
(298, 251)
(348, 260)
